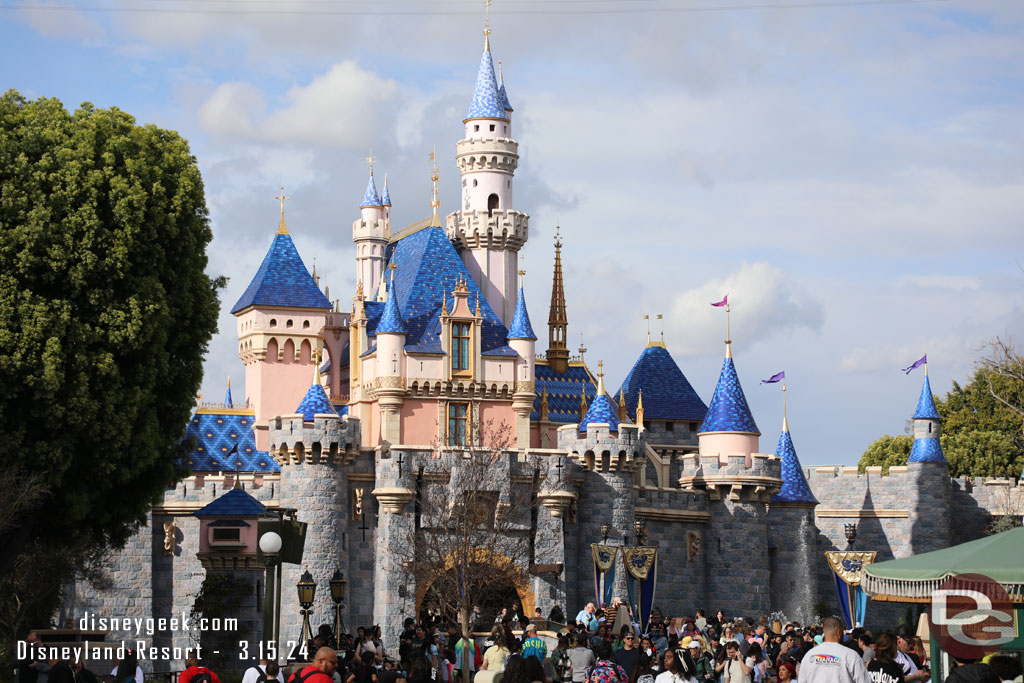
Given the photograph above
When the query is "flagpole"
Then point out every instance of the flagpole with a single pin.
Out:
(785, 419)
(728, 332)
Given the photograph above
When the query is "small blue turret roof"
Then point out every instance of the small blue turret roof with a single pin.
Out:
(386, 199)
(488, 102)
(315, 401)
(729, 411)
(501, 91)
(926, 404)
(282, 280)
(521, 327)
(234, 503)
(227, 396)
(391, 318)
(794, 483)
(926, 450)
(601, 410)
(371, 199)
(668, 395)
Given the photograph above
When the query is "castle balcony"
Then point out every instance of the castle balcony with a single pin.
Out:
(500, 154)
(498, 229)
(739, 478)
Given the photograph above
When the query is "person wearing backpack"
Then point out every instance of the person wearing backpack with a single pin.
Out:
(320, 671)
(561, 666)
(195, 672)
(262, 673)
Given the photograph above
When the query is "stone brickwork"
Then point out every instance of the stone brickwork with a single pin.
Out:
(794, 581)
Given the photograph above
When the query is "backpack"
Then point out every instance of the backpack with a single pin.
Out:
(605, 672)
(563, 666)
(296, 678)
(202, 677)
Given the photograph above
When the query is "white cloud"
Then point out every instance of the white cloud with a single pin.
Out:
(953, 282)
(61, 22)
(346, 107)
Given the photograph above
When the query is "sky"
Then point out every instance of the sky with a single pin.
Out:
(851, 174)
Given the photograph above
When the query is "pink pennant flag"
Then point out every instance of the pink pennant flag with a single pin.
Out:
(723, 302)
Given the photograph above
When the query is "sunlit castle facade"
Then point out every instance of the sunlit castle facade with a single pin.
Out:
(346, 406)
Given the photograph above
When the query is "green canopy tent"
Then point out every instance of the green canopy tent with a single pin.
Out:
(913, 579)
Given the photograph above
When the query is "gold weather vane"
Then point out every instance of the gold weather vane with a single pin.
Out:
(558, 235)
(370, 159)
(487, 25)
(582, 349)
(282, 229)
(435, 175)
(648, 319)
(662, 319)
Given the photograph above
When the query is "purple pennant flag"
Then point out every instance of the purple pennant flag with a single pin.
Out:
(923, 360)
(723, 302)
(777, 377)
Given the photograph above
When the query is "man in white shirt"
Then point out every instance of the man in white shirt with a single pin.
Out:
(587, 618)
(833, 662)
(911, 674)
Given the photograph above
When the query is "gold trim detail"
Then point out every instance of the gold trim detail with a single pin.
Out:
(862, 514)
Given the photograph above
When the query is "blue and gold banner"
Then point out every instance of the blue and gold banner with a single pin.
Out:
(641, 581)
(604, 572)
(847, 570)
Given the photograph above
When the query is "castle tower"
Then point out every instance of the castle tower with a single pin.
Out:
(611, 453)
(524, 342)
(280, 316)
(558, 319)
(371, 232)
(312, 445)
(390, 364)
(486, 230)
(928, 472)
(739, 483)
(791, 517)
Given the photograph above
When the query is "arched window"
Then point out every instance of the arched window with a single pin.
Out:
(492, 203)
(305, 324)
(288, 324)
(273, 322)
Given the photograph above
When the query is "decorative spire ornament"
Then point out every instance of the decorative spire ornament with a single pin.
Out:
(282, 229)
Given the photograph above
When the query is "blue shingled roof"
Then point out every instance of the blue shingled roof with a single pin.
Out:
(315, 401)
(391, 318)
(427, 267)
(371, 199)
(227, 396)
(502, 92)
(668, 395)
(926, 404)
(794, 483)
(563, 391)
(216, 434)
(601, 410)
(487, 101)
(728, 411)
(282, 280)
(926, 450)
(385, 200)
(521, 327)
(234, 503)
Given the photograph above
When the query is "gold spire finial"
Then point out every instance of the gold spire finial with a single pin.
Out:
(487, 25)
(662, 319)
(282, 229)
(370, 159)
(600, 378)
(316, 363)
(316, 278)
(359, 288)
(477, 313)
(640, 409)
(925, 363)
(435, 175)
(522, 265)
(558, 236)
(582, 349)
(229, 381)
(785, 420)
(501, 76)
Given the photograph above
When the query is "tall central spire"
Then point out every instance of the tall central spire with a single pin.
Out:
(558, 321)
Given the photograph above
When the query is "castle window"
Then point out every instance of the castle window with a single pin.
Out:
(492, 203)
(474, 183)
(476, 128)
(669, 426)
(504, 130)
(288, 324)
(305, 324)
(273, 322)
(460, 347)
(693, 426)
(492, 127)
(458, 421)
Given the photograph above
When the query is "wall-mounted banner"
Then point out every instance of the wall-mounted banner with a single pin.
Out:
(847, 569)
(641, 580)
(604, 572)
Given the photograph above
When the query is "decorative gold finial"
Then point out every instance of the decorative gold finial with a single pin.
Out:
(477, 304)
(600, 378)
(282, 229)
(435, 175)
(487, 25)
(926, 364)
(316, 363)
(501, 76)
(662, 319)
(522, 265)
(647, 317)
(640, 409)
(785, 420)
(229, 381)
(370, 159)
(359, 289)
(728, 330)
(316, 278)
(558, 236)
(582, 349)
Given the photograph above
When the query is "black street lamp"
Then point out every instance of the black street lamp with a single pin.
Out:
(338, 583)
(307, 591)
(640, 526)
(851, 534)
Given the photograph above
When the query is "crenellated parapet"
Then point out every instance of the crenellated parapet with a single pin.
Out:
(754, 478)
(503, 229)
(601, 450)
(328, 439)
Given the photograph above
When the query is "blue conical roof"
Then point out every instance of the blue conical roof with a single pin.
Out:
(504, 95)
(227, 395)
(794, 483)
(668, 395)
(386, 199)
(315, 401)
(521, 327)
(728, 411)
(234, 503)
(601, 410)
(282, 280)
(926, 404)
(926, 450)
(371, 199)
(488, 102)
(391, 318)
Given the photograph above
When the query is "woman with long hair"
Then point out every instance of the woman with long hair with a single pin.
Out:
(760, 672)
(644, 671)
(515, 670)
(679, 668)
(883, 666)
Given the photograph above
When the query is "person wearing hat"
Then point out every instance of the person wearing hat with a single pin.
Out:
(703, 662)
(534, 646)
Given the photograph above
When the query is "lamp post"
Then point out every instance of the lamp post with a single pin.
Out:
(270, 544)
(307, 591)
(851, 534)
(338, 583)
(640, 526)
(606, 529)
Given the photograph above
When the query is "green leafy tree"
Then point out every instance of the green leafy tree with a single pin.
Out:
(105, 316)
(981, 425)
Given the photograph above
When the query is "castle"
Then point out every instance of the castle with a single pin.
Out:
(345, 406)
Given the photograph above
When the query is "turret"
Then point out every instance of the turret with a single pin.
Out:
(486, 230)
(728, 428)
(280, 317)
(558, 319)
(927, 447)
(390, 363)
(524, 342)
(928, 494)
(371, 233)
